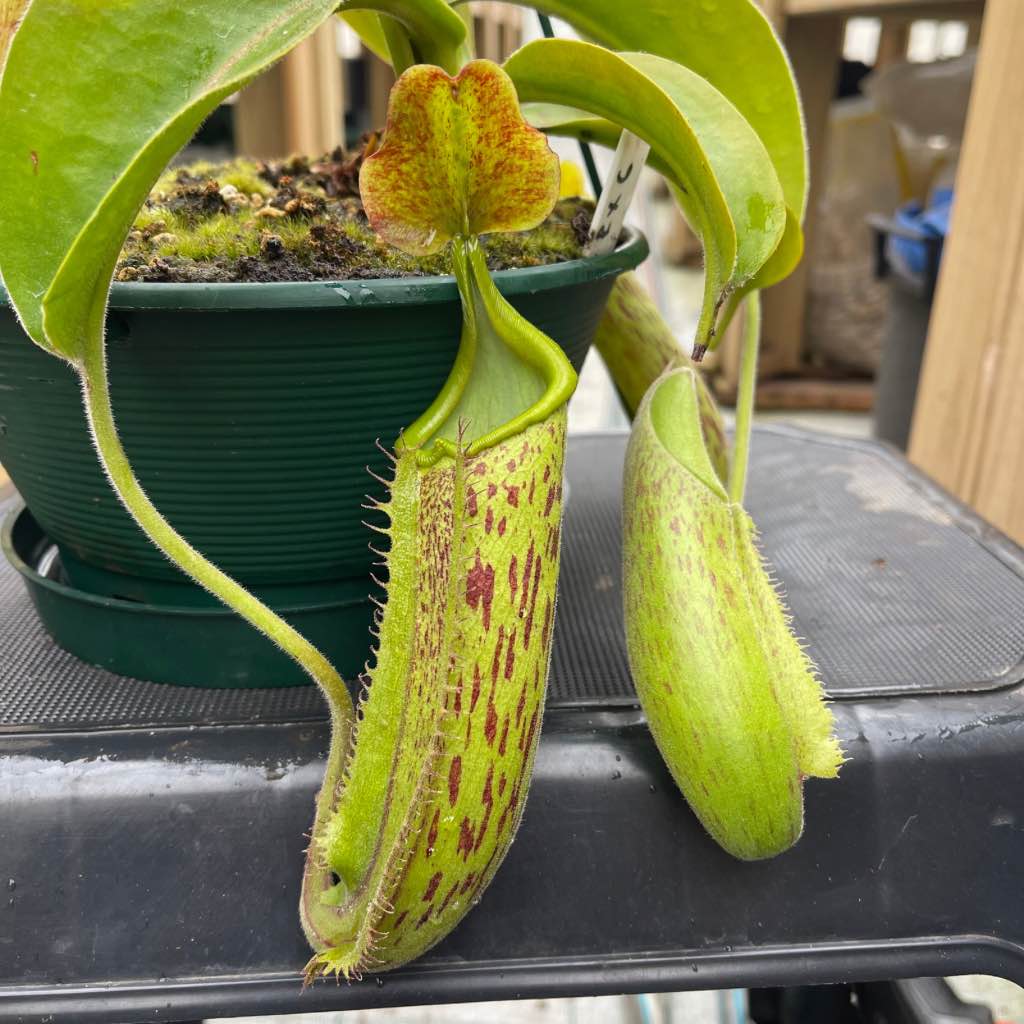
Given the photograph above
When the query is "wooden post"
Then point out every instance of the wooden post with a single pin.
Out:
(815, 45)
(259, 117)
(968, 428)
(892, 43)
(380, 79)
(489, 45)
(497, 29)
(313, 97)
(298, 105)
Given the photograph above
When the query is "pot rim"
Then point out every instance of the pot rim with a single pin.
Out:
(370, 293)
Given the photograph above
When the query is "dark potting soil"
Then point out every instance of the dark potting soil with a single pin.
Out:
(301, 219)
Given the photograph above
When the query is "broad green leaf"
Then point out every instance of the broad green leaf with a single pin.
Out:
(767, 250)
(730, 695)
(731, 44)
(456, 159)
(786, 256)
(738, 157)
(573, 123)
(95, 99)
(780, 265)
(436, 33)
(723, 176)
(558, 119)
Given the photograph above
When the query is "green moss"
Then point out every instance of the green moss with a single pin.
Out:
(220, 237)
(549, 243)
(246, 179)
(147, 215)
(299, 220)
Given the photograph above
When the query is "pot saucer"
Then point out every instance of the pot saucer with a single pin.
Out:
(166, 643)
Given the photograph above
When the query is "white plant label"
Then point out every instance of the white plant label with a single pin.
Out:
(617, 194)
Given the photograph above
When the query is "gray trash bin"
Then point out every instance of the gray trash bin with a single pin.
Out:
(911, 290)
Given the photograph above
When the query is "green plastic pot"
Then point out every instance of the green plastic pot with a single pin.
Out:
(251, 413)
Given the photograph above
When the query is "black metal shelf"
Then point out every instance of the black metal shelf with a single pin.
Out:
(156, 863)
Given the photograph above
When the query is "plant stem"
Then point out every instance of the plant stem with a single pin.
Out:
(399, 45)
(745, 397)
(115, 462)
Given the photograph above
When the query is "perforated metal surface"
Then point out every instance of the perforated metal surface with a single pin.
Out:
(895, 589)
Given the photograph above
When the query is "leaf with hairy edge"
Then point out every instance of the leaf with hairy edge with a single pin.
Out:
(95, 99)
(762, 257)
(731, 697)
(781, 264)
(731, 44)
(737, 156)
(436, 33)
(638, 346)
(420, 190)
(723, 176)
(414, 819)
(558, 119)
(77, 159)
